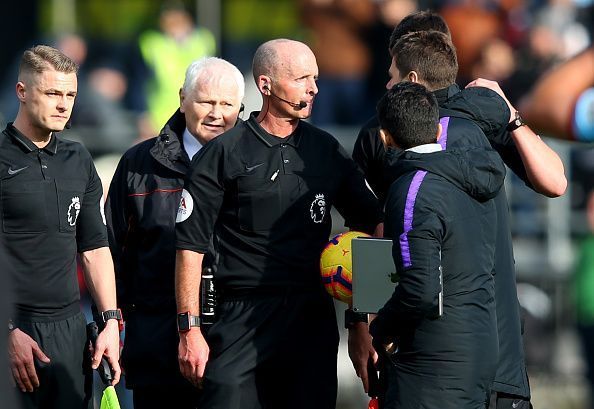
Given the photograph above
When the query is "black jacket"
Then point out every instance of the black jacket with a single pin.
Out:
(141, 209)
(439, 213)
(477, 117)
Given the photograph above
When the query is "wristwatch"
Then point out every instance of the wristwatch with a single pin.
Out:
(352, 317)
(113, 315)
(185, 321)
(516, 122)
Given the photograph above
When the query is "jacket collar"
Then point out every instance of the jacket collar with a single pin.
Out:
(442, 95)
(168, 149)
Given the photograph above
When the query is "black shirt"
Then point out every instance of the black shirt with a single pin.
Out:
(268, 201)
(50, 206)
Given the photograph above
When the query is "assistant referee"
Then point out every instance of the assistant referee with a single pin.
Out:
(50, 197)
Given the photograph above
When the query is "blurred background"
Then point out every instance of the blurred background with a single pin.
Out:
(133, 55)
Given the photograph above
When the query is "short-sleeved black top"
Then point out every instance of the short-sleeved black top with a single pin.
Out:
(268, 201)
(50, 202)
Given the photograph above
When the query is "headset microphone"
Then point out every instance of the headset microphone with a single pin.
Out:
(300, 104)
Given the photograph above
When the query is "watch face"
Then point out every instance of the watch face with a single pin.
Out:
(183, 322)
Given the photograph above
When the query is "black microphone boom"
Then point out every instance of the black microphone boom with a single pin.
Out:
(300, 104)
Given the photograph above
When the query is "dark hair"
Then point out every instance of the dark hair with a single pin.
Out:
(430, 54)
(410, 114)
(419, 21)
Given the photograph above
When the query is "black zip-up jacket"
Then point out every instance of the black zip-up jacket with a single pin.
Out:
(141, 209)
(439, 213)
(475, 117)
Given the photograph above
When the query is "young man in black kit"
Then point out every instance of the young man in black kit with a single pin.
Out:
(265, 189)
(475, 116)
(51, 213)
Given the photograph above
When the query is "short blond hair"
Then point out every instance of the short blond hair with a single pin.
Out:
(42, 57)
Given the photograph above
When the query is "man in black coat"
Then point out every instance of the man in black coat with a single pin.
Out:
(141, 213)
(441, 318)
(476, 116)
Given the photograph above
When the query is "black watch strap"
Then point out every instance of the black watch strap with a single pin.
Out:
(352, 317)
(112, 315)
(516, 122)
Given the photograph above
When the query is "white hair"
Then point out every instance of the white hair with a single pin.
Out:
(210, 66)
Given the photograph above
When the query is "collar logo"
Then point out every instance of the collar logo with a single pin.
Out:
(317, 210)
(186, 205)
(73, 211)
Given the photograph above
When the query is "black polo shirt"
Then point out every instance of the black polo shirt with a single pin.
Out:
(268, 201)
(50, 207)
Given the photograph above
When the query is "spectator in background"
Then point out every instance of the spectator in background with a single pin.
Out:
(337, 37)
(166, 53)
(388, 13)
(584, 296)
(99, 120)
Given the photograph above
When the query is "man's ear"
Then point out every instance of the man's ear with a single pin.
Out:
(181, 100)
(20, 91)
(264, 84)
(439, 131)
(413, 76)
(387, 139)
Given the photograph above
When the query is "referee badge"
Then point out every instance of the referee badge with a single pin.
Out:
(73, 211)
(186, 205)
(317, 210)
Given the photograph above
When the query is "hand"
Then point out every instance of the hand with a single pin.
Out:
(361, 350)
(108, 344)
(494, 86)
(21, 351)
(193, 355)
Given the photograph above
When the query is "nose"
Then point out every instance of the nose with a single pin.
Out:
(63, 103)
(313, 87)
(216, 111)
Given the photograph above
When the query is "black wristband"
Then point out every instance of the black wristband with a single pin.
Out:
(515, 123)
(351, 318)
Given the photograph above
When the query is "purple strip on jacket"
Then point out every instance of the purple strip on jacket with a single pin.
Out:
(443, 140)
(409, 208)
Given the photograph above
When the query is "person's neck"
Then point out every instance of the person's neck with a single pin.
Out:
(277, 126)
(38, 136)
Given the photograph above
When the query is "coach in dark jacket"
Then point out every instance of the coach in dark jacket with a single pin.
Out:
(141, 213)
(478, 117)
(439, 212)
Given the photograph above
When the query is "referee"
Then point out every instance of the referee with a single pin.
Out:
(50, 204)
(265, 189)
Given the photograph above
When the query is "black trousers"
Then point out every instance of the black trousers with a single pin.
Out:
(166, 396)
(270, 352)
(64, 382)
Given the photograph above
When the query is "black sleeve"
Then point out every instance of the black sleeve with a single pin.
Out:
(202, 198)
(369, 153)
(355, 201)
(118, 224)
(506, 147)
(90, 228)
(490, 112)
(417, 256)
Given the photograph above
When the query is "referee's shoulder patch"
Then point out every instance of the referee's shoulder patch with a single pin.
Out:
(186, 205)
